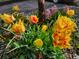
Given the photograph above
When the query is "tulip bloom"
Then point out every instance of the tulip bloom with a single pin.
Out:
(16, 8)
(7, 18)
(38, 43)
(62, 30)
(70, 12)
(18, 27)
(33, 19)
(44, 27)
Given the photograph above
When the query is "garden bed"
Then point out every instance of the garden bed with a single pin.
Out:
(25, 37)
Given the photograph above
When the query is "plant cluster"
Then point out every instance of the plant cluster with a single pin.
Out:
(26, 38)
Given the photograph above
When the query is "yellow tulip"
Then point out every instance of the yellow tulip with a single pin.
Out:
(70, 12)
(62, 30)
(38, 43)
(18, 27)
(44, 27)
(7, 18)
(16, 8)
(64, 24)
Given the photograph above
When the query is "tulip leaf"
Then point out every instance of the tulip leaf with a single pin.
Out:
(22, 57)
(16, 44)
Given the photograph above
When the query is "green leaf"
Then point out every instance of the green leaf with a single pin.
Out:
(22, 57)
(16, 44)
(77, 46)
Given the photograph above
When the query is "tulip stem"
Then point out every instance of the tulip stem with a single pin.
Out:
(9, 26)
(10, 42)
(18, 48)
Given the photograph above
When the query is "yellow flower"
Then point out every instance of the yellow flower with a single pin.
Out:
(16, 8)
(62, 30)
(44, 27)
(70, 12)
(33, 19)
(38, 43)
(64, 24)
(62, 42)
(7, 18)
(18, 27)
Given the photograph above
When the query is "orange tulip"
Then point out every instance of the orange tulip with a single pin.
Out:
(55, 43)
(55, 36)
(33, 19)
